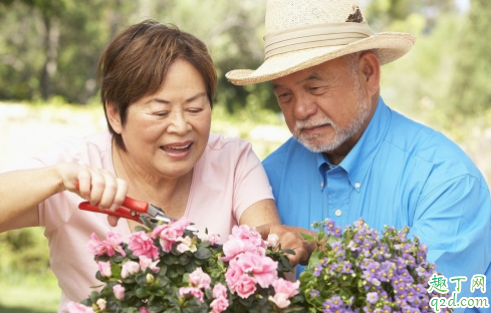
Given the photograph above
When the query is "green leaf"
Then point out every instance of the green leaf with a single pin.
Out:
(202, 254)
(142, 292)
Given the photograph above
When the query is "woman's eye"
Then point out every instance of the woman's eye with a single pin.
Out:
(161, 113)
(195, 110)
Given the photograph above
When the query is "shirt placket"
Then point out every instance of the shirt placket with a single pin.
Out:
(338, 189)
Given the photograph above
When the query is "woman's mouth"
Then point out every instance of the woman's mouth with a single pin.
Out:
(177, 150)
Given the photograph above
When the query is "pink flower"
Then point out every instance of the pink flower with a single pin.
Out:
(167, 236)
(105, 269)
(272, 240)
(148, 263)
(182, 247)
(168, 233)
(245, 286)
(200, 279)
(233, 274)
(118, 291)
(235, 246)
(286, 287)
(115, 241)
(280, 299)
(143, 309)
(261, 267)
(108, 247)
(74, 307)
(219, 291)
(244, 232)
(213, 239)
(219, 305)
(129, 268)
(192, 291)
(142, 244)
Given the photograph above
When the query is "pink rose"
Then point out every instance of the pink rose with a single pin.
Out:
(143, 309)
(74, 307)
(182, 247)
(105, 269)
(129, 268)
(261, 267)
(244, 232)
(219, 291)
(118, 291)
(167, 236)
(219, 305)
(233, 274)
(148, 263)
(142, 244)
(108, 247)
(272, 240)
(213, 239)
(280, 299)
(245, 286)
(192, 291)
(180, 226)
(200, 279)
(235, 246)
(115, 240)
(286, 287)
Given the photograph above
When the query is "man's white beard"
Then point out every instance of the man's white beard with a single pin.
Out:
(340, 135)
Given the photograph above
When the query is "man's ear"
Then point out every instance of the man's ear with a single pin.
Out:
(370, 69)
(113, 117)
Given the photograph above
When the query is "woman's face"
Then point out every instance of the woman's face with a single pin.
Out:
(167, 132)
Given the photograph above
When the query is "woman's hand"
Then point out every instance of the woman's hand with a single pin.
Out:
(97, 186)
(290, 238)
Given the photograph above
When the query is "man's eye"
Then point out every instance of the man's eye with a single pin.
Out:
(197, 110)
(317, 90)
(284, 96)
(161, 113)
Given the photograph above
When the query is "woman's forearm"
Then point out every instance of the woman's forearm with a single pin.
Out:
(22, 191)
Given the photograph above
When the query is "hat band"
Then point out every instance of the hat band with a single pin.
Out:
(313, 36)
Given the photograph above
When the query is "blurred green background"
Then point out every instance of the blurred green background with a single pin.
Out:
(48, 87)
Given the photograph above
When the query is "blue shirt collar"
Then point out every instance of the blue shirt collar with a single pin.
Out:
(360, 158)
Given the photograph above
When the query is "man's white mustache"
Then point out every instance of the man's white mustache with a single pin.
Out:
(299, 125)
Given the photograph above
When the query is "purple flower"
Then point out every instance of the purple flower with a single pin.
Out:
(372, 297)
(314, 293)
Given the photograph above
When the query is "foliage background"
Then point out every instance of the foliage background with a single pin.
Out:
(48, 88)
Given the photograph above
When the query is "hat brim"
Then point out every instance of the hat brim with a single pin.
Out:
(390, 46)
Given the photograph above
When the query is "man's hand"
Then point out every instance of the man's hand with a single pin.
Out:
(290, 238)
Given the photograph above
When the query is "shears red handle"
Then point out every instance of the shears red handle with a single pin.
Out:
(130, 209)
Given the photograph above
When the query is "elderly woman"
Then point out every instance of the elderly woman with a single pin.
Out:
(157, 89)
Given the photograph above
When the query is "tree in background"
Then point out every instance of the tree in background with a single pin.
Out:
(470, 91)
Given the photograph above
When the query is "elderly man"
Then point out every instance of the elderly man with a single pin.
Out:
(352, 156)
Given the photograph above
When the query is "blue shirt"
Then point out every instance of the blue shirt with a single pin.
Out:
(399, 173)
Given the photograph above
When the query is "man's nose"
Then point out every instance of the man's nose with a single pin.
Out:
(304, 107)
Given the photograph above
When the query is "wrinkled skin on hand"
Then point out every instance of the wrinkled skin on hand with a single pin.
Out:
(290, 238)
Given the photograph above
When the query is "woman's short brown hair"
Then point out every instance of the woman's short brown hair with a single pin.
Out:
(136, 61)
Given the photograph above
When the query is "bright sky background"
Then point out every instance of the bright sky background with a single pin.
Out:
(462, 4)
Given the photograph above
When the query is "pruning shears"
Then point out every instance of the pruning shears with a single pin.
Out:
(134, 210)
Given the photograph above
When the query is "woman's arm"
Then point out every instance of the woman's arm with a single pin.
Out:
(22, 191)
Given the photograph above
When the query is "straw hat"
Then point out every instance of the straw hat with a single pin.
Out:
(304, 33)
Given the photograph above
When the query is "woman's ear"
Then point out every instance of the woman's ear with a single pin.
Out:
(113, 117)
(370, 67)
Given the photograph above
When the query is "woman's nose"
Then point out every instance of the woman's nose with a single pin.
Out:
(178, 123)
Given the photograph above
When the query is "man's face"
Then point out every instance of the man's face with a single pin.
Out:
(326, 107)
